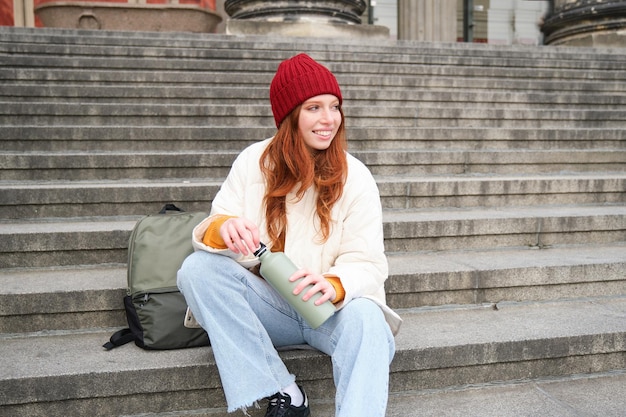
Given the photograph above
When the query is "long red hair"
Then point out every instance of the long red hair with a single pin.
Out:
(288, 163)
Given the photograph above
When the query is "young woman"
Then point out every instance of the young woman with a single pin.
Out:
(299, 192)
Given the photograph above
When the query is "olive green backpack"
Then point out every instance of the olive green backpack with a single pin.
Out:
(155, 308)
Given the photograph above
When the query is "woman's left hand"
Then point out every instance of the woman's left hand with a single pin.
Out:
(319, 284)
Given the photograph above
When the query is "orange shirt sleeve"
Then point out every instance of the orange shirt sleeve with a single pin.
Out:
(212, 237)
(335, 281)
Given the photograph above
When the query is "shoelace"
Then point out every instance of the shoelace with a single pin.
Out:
(277, 406)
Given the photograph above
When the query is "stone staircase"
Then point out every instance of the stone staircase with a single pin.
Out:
(502, 172)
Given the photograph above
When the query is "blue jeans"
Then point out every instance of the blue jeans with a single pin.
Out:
(247, 319)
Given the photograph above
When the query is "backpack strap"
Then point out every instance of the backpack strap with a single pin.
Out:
(119, 338)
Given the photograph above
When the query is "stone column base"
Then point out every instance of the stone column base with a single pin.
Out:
(306, 29)
(607, 39)
(600, 23)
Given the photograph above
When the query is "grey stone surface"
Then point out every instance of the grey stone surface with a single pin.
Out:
(430, 342)
(82, 240)
(120, 165)
(584, 395)
(592, 395)
(501, 171)
(74, 297)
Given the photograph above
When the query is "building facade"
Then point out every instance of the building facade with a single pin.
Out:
(495, 21)
(505, 22)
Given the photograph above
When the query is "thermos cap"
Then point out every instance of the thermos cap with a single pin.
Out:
(261, 250)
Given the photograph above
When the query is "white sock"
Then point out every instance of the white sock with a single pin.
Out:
(297, 399)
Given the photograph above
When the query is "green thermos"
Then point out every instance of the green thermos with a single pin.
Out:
(276, 268)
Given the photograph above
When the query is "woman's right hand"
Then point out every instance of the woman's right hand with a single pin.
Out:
(240, 235)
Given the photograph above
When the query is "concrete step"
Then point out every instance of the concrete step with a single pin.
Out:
(106, 198)
(495, 162)
(151, 165)
(78, 241)
(231, 59)
(69, 373)
(260, 115)
(390, 53)
(171, 94)
(69, 298)
(480, 228)
(569, 396)
(560, 56)
(437, 77)
(95, 165)
(414, 190)
(30, 137)
(65, 242)
(78, 297)
(549, 396)
(394, 53)
(519, 274)
(503, 191)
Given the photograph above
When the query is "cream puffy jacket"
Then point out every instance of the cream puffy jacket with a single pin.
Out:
(355, 249)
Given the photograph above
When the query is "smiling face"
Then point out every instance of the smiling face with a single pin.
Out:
(319, 121)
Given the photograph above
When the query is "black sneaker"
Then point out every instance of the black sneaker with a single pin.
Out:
(280, 406)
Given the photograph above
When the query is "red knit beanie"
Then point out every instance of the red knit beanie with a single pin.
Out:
(298, 79)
